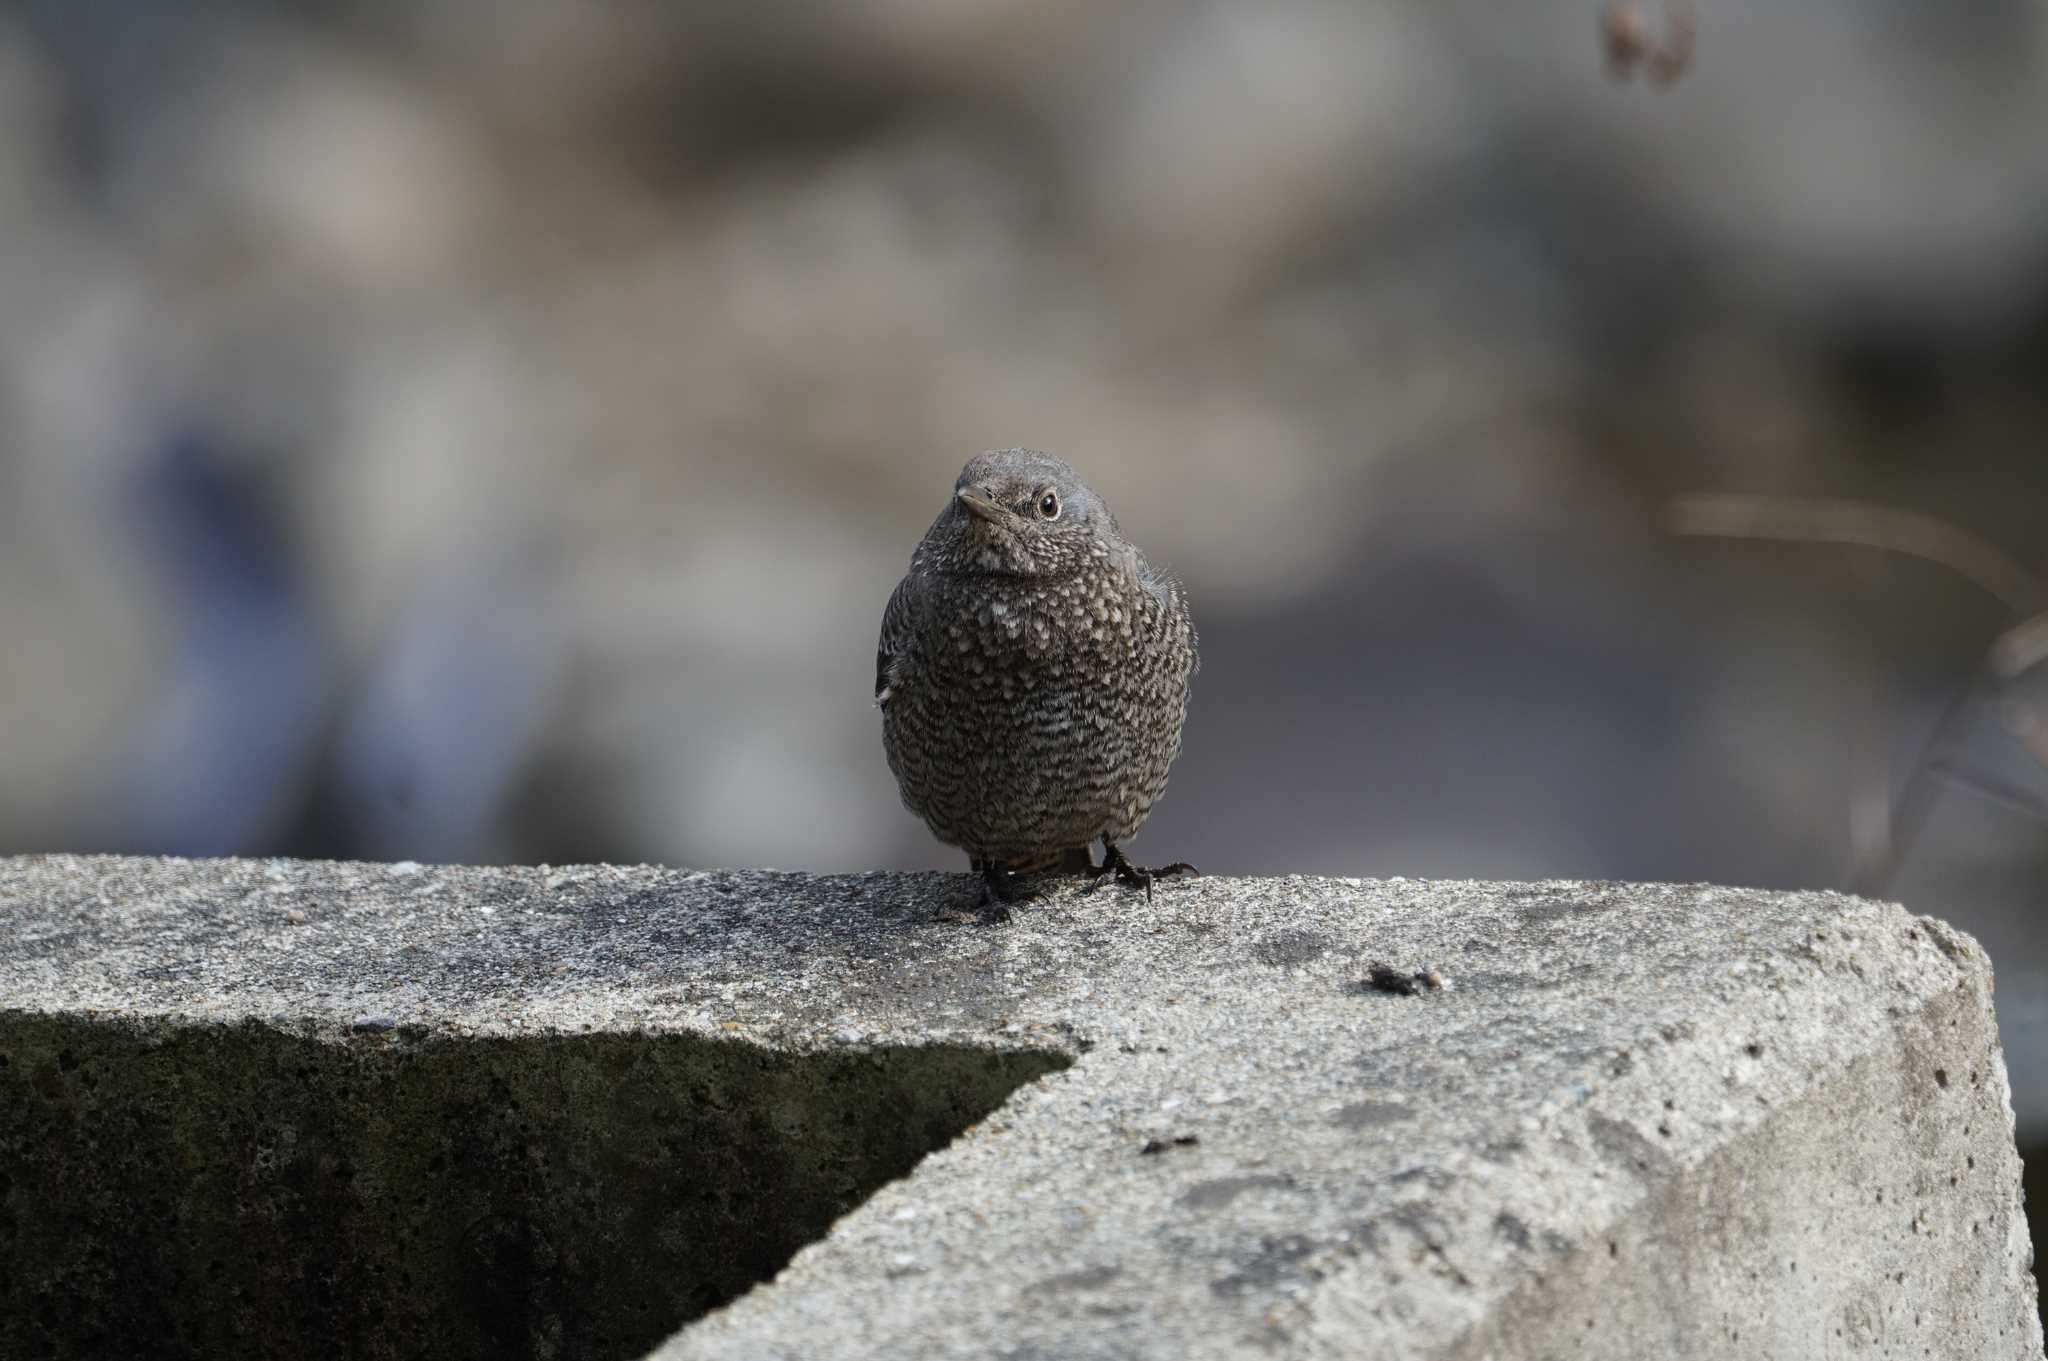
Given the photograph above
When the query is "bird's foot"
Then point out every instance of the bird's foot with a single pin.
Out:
(1129, 875)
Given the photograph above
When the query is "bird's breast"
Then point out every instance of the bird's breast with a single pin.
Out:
(1013, 621)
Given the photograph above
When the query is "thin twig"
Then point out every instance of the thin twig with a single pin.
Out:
(1865, 524)
(2020, 648)
(2008, 796)
(1917, 796)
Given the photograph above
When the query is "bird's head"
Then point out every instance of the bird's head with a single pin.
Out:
(1022, 513)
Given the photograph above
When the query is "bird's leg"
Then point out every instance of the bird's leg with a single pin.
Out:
(1129, 875)
(998, 891)
(998, 885)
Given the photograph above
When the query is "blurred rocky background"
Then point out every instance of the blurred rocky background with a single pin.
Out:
(488, 429)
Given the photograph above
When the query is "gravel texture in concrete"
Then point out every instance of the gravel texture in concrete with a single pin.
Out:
(260, 1108)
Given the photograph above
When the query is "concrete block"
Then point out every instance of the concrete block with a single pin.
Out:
(280, 1108)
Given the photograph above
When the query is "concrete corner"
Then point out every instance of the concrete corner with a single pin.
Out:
(262, 1108)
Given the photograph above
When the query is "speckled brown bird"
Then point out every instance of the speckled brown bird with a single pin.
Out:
(1033, 676)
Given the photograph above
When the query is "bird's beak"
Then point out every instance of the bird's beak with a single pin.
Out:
(979, 505)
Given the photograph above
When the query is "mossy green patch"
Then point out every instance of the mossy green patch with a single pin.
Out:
(218, 1192)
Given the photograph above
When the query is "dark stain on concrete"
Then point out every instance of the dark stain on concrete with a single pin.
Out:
(1088, 1278)
(1216, 1194)
(1372, 1114)
(1291, 946)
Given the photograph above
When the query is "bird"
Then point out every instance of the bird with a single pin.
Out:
(1033, 674)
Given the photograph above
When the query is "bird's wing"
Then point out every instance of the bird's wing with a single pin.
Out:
(1165, 587)
(898, 620)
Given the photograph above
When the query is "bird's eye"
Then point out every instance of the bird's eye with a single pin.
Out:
(1049, 505)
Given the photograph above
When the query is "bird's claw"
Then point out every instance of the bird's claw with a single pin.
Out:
(1129, 875)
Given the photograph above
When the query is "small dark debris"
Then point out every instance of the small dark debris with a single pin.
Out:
(1941, 1077)
(1381, 977)
(1177, 1141)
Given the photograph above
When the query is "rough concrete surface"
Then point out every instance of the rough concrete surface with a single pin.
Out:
(260, 1108)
